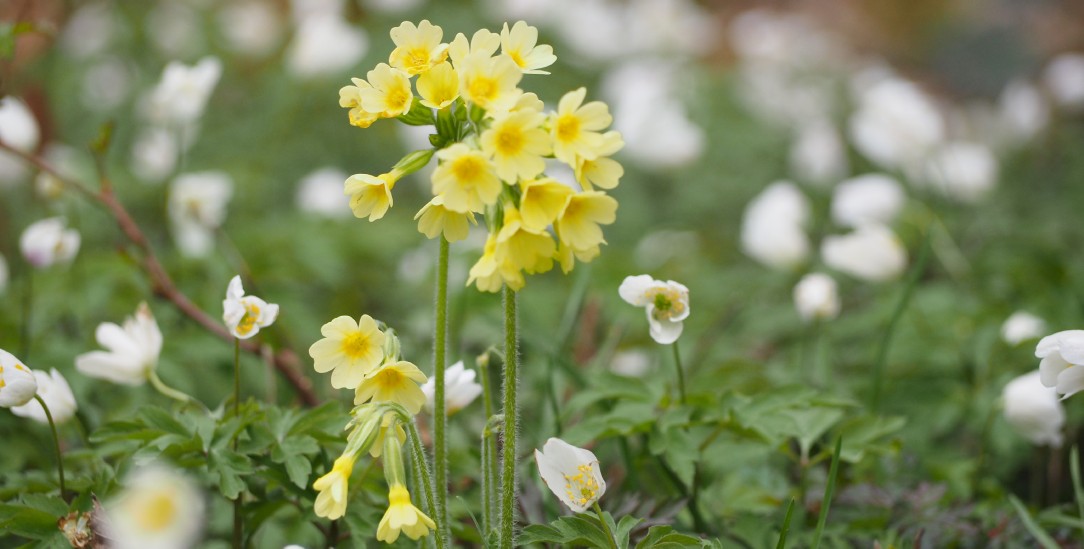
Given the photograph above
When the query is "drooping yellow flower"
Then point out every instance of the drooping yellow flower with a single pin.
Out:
(333, 488)
(567, 257)
(578, 225)
(398, 382)
(521, 44)
(602, 172)
(350, 349)
(434, 218)
(541, 201)
(388, 93)
(439, 86)
(466, 179)
(388, 422)
(517, 142)
(491, 272)
(350, 98)
(523, 248)
(370, 196)
(417, 48)
(402, 516)
(489, 82)
(484, 43)
(575, 127)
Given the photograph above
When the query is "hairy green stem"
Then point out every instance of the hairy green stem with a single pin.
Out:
(440, 410)
(508, 433)
(605, 526)
(680, 372)
(28, 315)
(166, 390)
(238, 511)
(489, 449)
(422, 467)
(56, 444)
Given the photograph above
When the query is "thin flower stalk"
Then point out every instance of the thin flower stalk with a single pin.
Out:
(509, 431)
(440, 409)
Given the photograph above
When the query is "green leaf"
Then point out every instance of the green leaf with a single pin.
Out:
(664, 537)
(1036, 531)
(162, 420)
(567, 531)
(229, 468)
(829, 491)
(624, 529)
(864, 434)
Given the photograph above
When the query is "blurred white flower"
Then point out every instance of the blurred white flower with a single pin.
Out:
(1023, 111)
(321, 193)
(1061, 362)
(630, 363)
(57, 394)
(571, 473)
(250, 27)
(460, 388)
(392, 6)
(961, 170)
(595, 29)
(301, 9)
(17, 383)
(1034, 410)
(658, 247)
(158, 509)
(132, 353)
(1064, 78)
(816, 297)
(197, 207)
(867, 199)
(106, 84)
(154, 154)
(325, 45)
(896, 124)
(89, 30)
(666, 304)
(18, 128)
(3, 274)
(49, 242)
(772, 229)
(871, 253)
(818, 154)
(175, 29)
(1022, 326)
(680, 27)
(244, 314)
(182, 93)
(66, 161)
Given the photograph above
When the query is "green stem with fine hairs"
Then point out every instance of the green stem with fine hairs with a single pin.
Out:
(238, 511)
(440, 409)
(56, 443)
(508, 460)
(422, 468)
(605, 526)
(680, 372)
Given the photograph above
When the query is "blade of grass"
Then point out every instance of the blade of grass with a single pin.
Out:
(782, 544)
(1078, 492)
(1040, 536)
(829, 491)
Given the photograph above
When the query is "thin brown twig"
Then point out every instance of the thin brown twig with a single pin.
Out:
(285, 361)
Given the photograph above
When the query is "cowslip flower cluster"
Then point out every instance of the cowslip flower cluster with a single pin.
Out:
(491, 142)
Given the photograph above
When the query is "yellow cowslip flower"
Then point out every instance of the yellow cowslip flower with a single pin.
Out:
(350, 349)
(484, 43)
(333, 488)
(491, 272)
(541, 201)
(465, 177)
(398, 382)
(575, 127)
(388, 422)
(520, 44)
(523, 248)
(516, 143)
(417, 48)
(370, 196)
(578, 224)
(489, 82)
(602, 172)
(434, 218)
(439, 86)
(567, 257)
(388, 92)
(402, 516)
(350, 98)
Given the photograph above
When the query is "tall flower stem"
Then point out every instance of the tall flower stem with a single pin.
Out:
(605, 526)
(508, 460)
(489, 448)
(422, 468)
(238, 511)
(166, 390)
(28, 315)
(440, 410)
(680, 372)
(56, 444)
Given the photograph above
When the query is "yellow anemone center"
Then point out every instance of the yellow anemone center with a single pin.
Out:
(568, 127)
(667, 302)
(581, 487)
(248, 322)
(355, 345)
(155, 512)
(468, 168)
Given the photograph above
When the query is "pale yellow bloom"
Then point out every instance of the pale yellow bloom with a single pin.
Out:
(402, 516)
(541, 201)
(602, 172)
(351, 349)
(439, 86)
(398, 382)
(434, 218)
(466, 179)
(333, 488)
(417, 48)
(483, 43)
(578, 224)
(517, 142)
(370, 196)
(350, 98)
(523, 248)
(520, 44)
(567, 257)
(575, 127)
(491, 272)
(389, 92)
(387, 422)
(489, 82)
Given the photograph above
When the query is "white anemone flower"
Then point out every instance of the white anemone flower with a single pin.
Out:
(17, 383)
(57, 394)
(244, 314)
(867, 199)
(896, 123)
(818, 153)
(18, 128)
(197, 207)
(871, 253)
(666, 302)
(133, 350)
(772, 230)
(816, 297)
(325, 44)
(961, 170)
(49, 242)
(1022, 326)
(1064, 78)
(321, 193)
(1062, 361)
(182, 93)
(158, 509)
(460, 388)
(1022, 110)
(571, 473)
(1034, 410)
